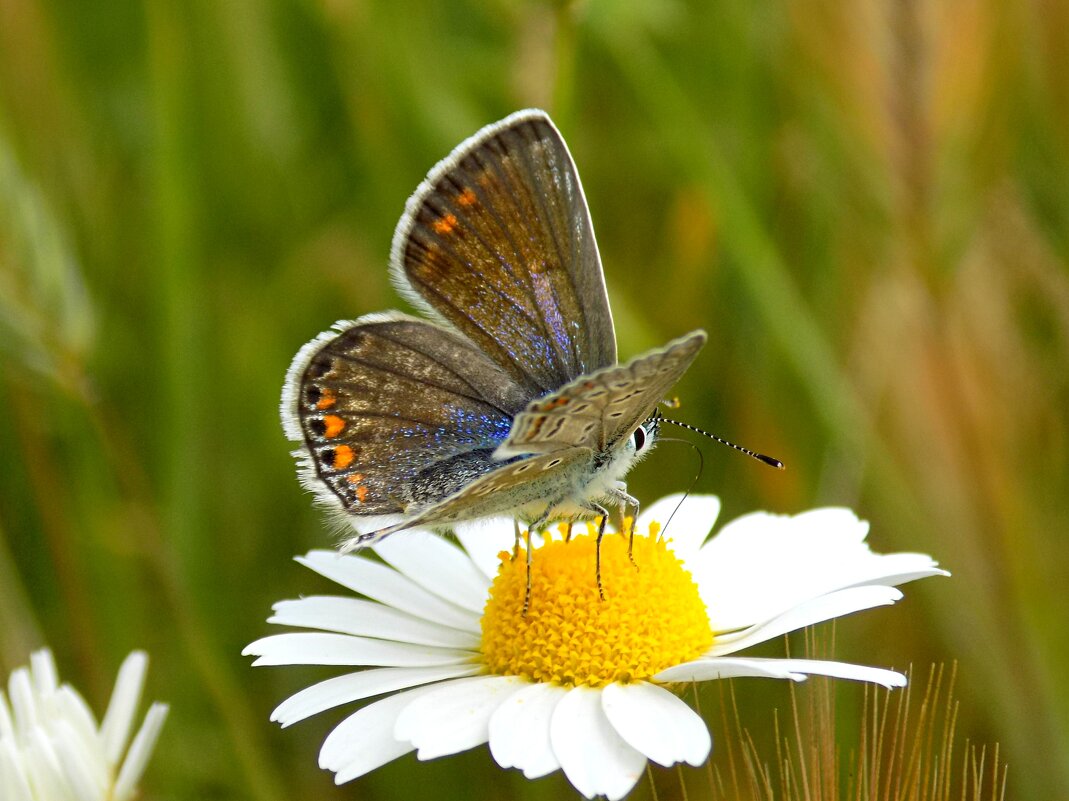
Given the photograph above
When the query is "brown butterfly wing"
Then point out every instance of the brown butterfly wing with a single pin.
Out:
(498, 242)
(395, 414)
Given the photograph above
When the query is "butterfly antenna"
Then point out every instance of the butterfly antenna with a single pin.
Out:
(753, 454)
(694, 481)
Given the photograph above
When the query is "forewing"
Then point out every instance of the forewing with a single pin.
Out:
(498, 241)
(598, 410)
(545, 478)
(395, 413)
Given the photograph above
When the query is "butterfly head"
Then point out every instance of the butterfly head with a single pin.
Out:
(645, 435)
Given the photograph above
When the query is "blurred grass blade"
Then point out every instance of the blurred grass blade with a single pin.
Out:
(46, 317)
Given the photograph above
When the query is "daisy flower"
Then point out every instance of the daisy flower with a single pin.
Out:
(51, 747)
(581, 684)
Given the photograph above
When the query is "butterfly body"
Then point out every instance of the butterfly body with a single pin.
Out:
(508, 398)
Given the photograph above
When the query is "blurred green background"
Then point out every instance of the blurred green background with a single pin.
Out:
(866, 204)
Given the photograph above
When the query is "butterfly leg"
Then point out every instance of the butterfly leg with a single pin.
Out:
(360, 541)
(516, 541)
(537, 525)
(604, 514)
(626, 501)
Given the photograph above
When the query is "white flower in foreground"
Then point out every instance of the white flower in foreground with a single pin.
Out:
(51, 748)
(580, 683)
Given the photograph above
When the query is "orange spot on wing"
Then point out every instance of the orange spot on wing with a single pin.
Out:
(343, 457)
(334, 425)
(467, 198)
(445, 225)
(327, 399)
(361, 493)
(355, 478)
(556, 403)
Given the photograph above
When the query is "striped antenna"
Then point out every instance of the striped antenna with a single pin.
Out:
(758, 456)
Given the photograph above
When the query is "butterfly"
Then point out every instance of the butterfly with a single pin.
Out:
(507, 398)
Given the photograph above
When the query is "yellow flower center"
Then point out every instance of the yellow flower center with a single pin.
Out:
(651, 618)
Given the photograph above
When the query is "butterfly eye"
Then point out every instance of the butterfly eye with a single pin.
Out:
(639, 438)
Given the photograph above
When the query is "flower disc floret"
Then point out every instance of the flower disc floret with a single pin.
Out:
(651, 617)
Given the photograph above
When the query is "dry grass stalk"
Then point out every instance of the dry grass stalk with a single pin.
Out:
(905, 749)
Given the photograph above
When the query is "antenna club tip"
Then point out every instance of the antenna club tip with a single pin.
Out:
(776, 463)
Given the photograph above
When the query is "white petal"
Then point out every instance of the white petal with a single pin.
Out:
(454, 716)
(70, 706)
(720, 667)
(894, 569)
(728, 667)
(817, 610)
(798, 558)
(304, 648)
(596, 760)
(140, 750)
(657, 723)
(82, 773)
(45, 771)
(43, 670)
(685, 527)
(368, 619)
(364, 740)
(437, 566)
(357, 686)
(845, 670)
(119, 719)
(386, 585)
(519, 730)
(14, 783)
(23, 700)
(484, 540)
(7, 722)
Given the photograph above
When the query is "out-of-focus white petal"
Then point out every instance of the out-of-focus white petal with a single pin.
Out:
(23, 703)
(44, 673)
(817, 610)
(657, 723)
(14, 783)
(383, 584)
(519, 730)
(140, 750)
(596, 760)
(119, 719)
(313, 648)
(85, 783)
(368, 619)
(485, 539)
(72, 708)
(51, 748)
(685, 527)
(437, 566)
(454, 716)
(363, 684)
(45, 771)
(7, 722)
